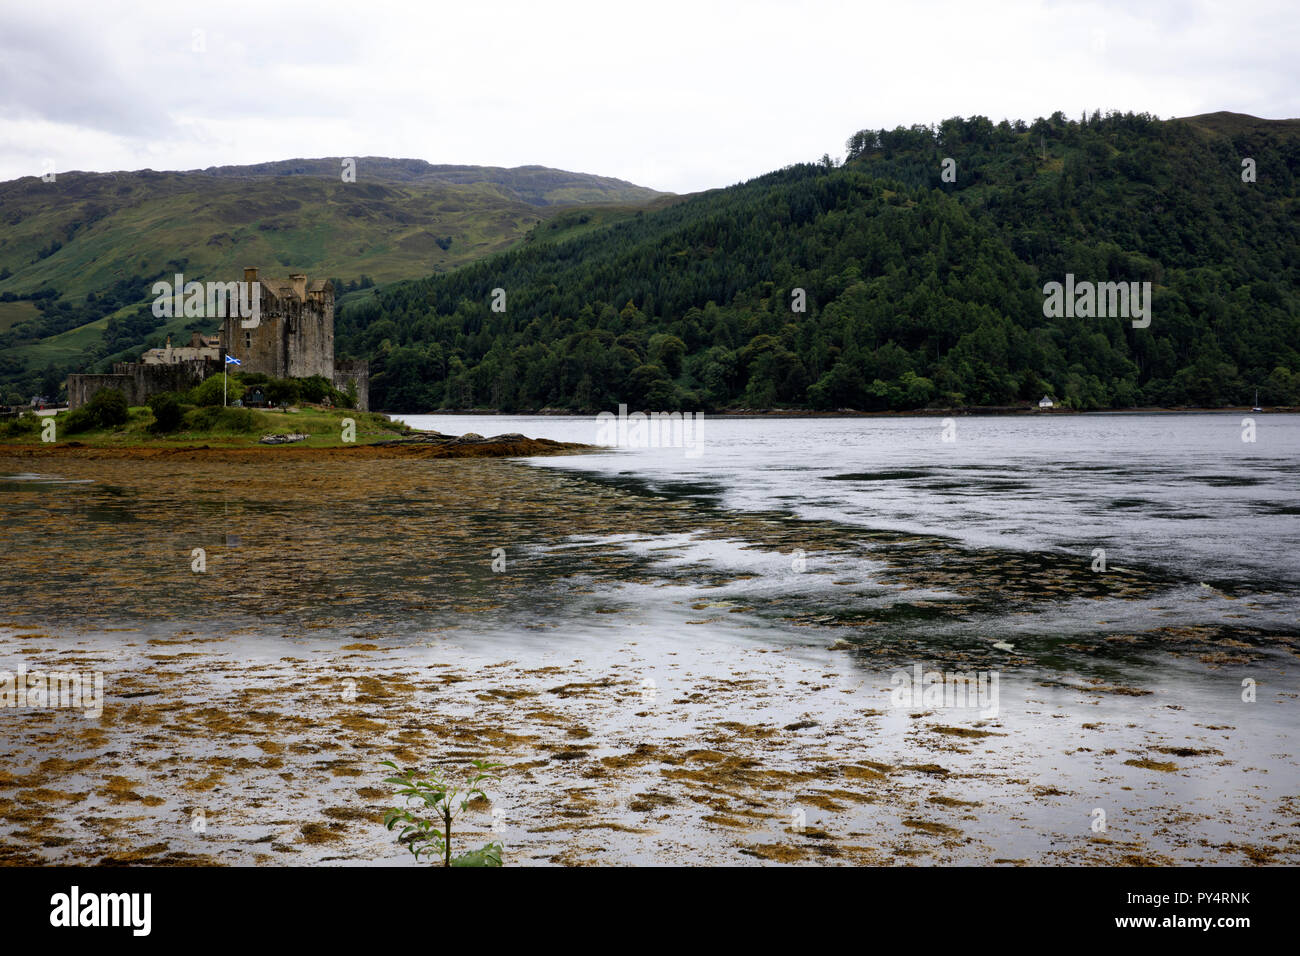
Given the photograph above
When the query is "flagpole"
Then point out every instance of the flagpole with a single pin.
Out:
(227, 361)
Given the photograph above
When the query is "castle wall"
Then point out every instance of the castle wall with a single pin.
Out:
(81, 388)
(259, 349)
(138, 381)
(355, 370)
(310, 337)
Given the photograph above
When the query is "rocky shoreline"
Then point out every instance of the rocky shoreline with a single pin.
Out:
(422, 445)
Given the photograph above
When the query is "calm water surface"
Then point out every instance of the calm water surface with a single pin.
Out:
(1178, 491)
(1180, 496)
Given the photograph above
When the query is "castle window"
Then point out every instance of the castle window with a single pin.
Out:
(248, 340)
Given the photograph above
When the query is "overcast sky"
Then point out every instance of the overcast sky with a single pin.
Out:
(675, 95)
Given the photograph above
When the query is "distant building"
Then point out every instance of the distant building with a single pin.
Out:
(201, 347)
(294, 338)
(1045, 402)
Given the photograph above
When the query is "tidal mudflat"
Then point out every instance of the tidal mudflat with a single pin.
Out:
(666, 679)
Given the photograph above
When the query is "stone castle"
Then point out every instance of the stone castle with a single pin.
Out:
(294, 338)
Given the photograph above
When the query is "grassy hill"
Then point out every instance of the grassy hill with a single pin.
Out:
(535, 185)
(1224, 123)
(86, 233)
(920, 291)
(11, 313)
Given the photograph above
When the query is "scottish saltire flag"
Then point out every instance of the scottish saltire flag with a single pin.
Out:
(231, 360)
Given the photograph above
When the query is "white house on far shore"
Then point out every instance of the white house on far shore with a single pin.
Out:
(1045, 402)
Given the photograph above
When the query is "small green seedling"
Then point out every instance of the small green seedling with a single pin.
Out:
(427, 829)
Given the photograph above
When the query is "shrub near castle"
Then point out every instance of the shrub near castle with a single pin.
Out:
(186, 417)
(168, 412)
(106, 409)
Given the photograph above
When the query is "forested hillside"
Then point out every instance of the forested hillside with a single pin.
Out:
(919, 292)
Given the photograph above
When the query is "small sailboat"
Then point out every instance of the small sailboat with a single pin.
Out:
(1257, 408)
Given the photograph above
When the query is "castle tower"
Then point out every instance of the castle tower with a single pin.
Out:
(294, 337)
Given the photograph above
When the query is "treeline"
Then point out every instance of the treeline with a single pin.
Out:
(365, 282)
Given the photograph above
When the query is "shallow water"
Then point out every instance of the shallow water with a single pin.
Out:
(1179, 497)
(683, 652)
(1178, 492)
